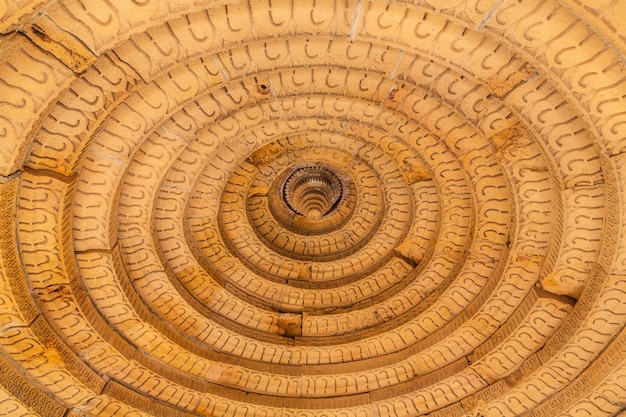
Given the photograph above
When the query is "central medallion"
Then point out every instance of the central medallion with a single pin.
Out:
(312, 191)
(312, 197)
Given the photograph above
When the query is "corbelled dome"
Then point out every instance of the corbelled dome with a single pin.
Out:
(312, 208)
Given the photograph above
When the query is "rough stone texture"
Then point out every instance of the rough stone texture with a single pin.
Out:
(470, 259)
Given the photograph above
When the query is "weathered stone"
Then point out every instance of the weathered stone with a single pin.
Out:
(332, 208)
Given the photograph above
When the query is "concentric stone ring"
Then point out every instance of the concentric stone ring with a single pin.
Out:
(312, 209)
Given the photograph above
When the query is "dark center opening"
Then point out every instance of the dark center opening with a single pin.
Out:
(312, 191)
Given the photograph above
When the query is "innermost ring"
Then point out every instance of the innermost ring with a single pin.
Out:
(312, 191)
(312, 197)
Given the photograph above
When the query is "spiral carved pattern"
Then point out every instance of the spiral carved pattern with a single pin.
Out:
(339, 208)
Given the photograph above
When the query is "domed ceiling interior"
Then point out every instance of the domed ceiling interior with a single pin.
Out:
(313, 208)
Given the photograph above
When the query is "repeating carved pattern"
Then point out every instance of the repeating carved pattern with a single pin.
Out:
(340, 208)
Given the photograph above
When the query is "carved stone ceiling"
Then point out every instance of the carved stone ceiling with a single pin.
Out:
(312, 208)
